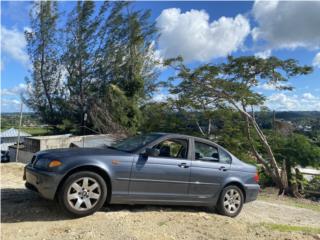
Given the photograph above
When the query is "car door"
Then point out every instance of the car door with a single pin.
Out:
(209, 167)
(164, 177)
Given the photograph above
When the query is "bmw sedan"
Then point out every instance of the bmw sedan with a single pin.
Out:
(156, 168)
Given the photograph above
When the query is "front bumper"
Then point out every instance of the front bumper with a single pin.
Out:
(46, 183)
(252, 191)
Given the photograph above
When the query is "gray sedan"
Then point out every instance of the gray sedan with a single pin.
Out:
(156, 168)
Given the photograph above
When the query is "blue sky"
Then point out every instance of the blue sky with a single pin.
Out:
(201, 32)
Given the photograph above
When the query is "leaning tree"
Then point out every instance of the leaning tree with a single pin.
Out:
(233, 84)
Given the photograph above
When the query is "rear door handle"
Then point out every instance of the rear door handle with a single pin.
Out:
(223, 168)
(183, 165)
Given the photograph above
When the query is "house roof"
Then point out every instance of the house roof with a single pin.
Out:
(12, 132)
(5, 146)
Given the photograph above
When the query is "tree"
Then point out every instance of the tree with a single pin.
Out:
(231, 84)
(194, 98)
(45, 82)
(125, 59)
(107, 113)
(296, 150)
(79, 59)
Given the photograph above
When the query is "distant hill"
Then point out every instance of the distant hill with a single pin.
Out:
(294, 115)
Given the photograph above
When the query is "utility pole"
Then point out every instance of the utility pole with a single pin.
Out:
(18, 143)
(85, 116)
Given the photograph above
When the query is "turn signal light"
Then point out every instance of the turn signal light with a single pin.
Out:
(55, 163)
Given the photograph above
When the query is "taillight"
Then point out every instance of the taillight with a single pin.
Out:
(256, 177)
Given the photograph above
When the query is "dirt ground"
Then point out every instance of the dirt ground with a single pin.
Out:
(24, 215)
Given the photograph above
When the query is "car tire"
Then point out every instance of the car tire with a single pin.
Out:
(231, 201)
(82, 194)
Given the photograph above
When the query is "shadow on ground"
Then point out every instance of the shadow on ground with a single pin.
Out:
(23, 205)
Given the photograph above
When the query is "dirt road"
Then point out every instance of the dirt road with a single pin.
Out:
(24, 215)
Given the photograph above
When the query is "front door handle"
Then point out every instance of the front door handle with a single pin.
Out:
(183, 165)
(223, 168)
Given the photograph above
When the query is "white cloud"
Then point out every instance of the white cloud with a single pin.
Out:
(316, 60)
(15, 91)
(267, 86)
(159, 97)
(13, 43)
(192, 36)
(283, 102)
(10, 102)
(10, 105)
(287, 24)
(308, 96)
(264, 54)
(11, 97)
(162, 95)
(271, 87)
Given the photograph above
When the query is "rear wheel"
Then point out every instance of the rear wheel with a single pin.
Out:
(82, 194)
(230, 201)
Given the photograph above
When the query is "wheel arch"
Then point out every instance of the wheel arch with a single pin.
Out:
(91, 168)
(239, 185)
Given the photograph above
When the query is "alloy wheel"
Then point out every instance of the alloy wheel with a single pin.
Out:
(232, 201)
(84, 193)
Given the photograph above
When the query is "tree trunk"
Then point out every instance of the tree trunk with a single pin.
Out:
(200, 128)
(270, 165)
(209, 126)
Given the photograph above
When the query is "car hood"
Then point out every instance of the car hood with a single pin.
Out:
(65, 153)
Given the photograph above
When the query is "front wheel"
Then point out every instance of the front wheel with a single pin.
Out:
(82, 194)
(231, 201)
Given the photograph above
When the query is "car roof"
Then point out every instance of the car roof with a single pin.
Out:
(181, 135)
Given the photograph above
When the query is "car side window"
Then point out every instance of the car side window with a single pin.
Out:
(225, 157)
(206, 152)
(173, 148)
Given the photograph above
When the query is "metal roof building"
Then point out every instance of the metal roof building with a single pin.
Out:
(10, 137)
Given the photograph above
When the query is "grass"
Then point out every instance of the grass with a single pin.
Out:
(289, 228)
(36, 131)
(295, 202)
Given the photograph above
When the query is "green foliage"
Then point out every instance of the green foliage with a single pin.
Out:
(78, 59)
(125, 60)
(231, 84)
(42, 46)
(226, 126)
(114, 112)
(94, 53)
(264, 179)
(314, 184)
(296, 149)
(66, 126)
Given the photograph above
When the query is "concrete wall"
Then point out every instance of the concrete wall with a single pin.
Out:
(23, 156)
(32, 145)
(62, 142)
(35, 144)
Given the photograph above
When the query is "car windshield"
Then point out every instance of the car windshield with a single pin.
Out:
(133, 143)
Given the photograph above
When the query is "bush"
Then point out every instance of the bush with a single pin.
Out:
(264, 179)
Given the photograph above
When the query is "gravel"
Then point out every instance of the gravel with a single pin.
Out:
(24, 215)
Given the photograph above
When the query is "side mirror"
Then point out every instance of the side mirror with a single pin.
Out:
(152, 152)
